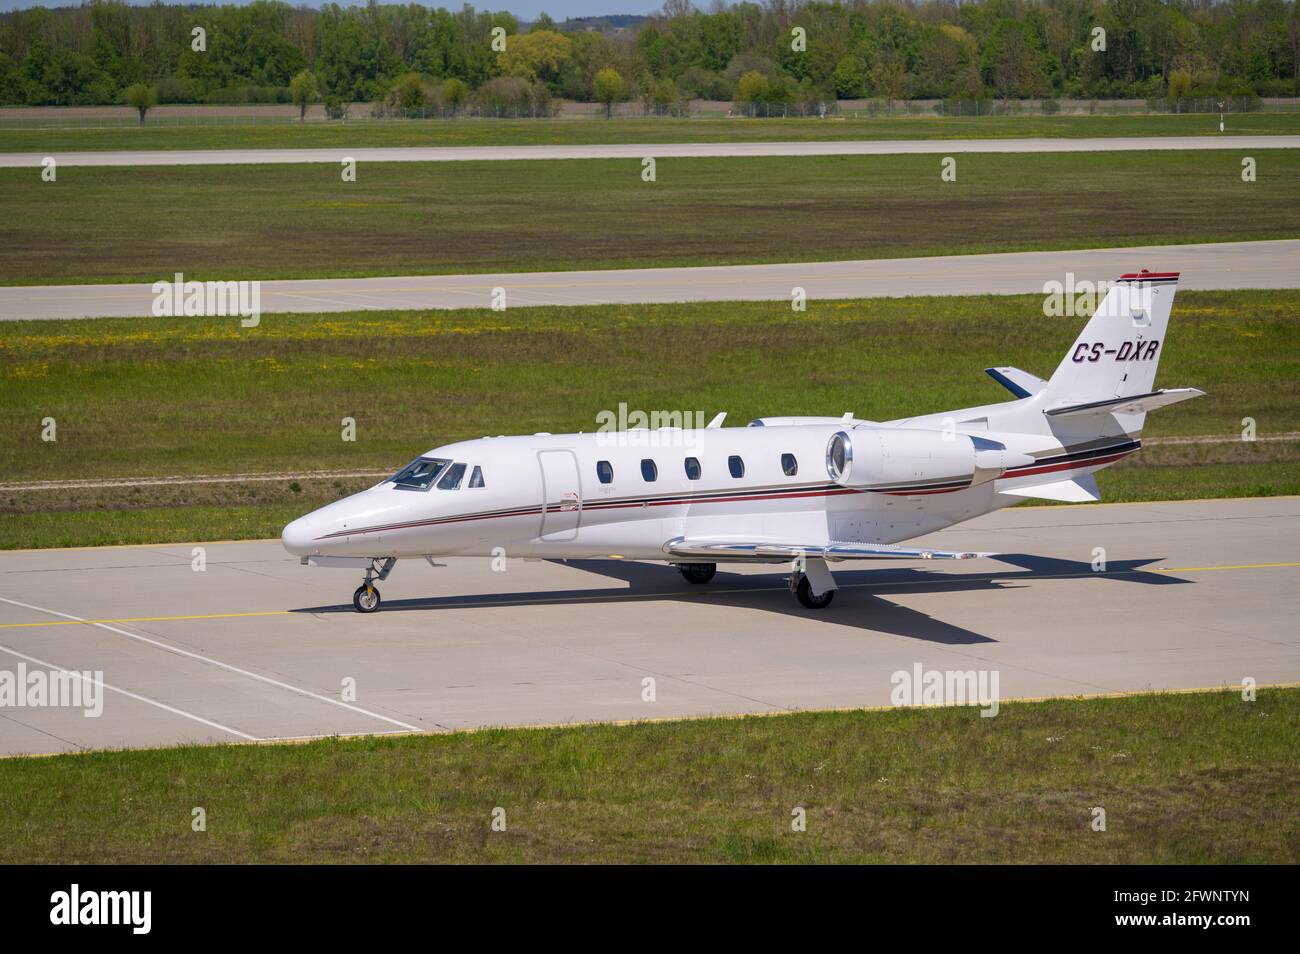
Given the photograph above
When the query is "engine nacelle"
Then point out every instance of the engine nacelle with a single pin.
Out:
(884, 456)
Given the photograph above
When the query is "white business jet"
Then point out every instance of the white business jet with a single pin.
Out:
(804, 491)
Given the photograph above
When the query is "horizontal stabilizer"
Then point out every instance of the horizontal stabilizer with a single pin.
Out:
(1134, 404)
(1020, 383)
(780, 552)
(1080, 490)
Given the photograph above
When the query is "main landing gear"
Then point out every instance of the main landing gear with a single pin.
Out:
(803, 590)
(810, 580)
(698, 572)
(812, 583)
(366, 598)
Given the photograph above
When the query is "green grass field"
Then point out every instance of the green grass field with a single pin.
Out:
(246, 222)
(153, 397)
(18, 135)
(1189, 778)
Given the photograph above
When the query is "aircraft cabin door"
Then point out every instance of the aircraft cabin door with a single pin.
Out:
(561, 495)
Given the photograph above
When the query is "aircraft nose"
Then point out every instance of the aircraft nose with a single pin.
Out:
(298, 537)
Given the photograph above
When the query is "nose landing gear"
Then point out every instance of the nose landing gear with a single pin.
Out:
(366, 598)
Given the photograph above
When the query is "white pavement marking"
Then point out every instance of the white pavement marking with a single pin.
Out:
(221, 665)
(132, 695)
(637, 151)
(1207, 266)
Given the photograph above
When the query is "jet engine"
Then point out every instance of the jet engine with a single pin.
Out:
(872, 457)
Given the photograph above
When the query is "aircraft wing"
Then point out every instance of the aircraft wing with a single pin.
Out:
(779, 552)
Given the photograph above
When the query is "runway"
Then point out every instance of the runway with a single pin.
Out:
(1271, 264)
(256, 647)
(638, 151)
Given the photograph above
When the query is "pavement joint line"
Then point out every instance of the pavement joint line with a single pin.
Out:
(8, 716)
(488, 602)
(660, 720)
(136, 696)
(221, 665)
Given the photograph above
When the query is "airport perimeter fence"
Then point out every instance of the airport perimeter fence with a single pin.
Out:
(92, 117)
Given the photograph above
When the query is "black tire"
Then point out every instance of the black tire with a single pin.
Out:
(698, 572)
(366, 599)
(804, 592)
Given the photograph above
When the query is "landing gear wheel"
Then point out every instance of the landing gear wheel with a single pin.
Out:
(805, 594)
(698, 572)
(366, 598)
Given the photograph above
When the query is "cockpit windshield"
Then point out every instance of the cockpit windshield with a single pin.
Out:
(419, 474)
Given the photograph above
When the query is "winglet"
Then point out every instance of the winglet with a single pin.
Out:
(717, 420)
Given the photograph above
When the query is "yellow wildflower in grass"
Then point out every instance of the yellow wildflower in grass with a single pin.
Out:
(38, 370)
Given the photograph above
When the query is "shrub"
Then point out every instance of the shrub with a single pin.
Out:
(452, 95)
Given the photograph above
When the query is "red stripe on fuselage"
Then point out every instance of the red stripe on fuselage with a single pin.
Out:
(1070, 465)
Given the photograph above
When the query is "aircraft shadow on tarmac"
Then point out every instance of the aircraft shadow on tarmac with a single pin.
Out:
(859, 602)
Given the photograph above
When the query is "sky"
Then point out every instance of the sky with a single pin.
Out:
(524, 9)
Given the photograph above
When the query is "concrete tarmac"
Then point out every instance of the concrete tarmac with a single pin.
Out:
(1227, 265)
(257, 647)
(639, 151)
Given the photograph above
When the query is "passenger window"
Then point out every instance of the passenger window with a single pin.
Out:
(452, 478)
(789, 465)
(692, 468)
(605, 471)
(736, 466)
(476, 477)
(649, 472)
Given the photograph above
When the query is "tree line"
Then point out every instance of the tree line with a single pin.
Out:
(781, 51)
